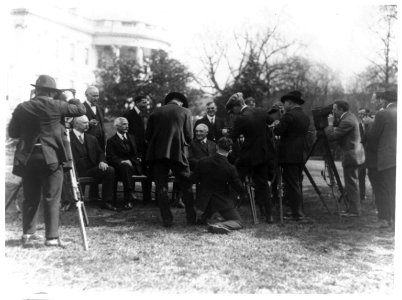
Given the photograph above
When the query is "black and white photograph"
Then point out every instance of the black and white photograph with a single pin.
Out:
(200, 147)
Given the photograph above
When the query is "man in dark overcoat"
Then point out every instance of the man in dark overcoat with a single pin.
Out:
(216, 125)
(292, 129)
(347, 134)
(136, 127)
(40, 154)
(90, 160)
(169, 132)
(381, 156)
(256, 153)
(215, 177)
(122, 155)
(200, 147)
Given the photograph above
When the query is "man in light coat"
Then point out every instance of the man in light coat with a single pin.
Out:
(347, 134)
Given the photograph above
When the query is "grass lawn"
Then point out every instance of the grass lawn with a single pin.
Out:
(131, 252)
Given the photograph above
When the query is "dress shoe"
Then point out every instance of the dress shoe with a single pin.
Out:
(54, 243)
(30, 239)
(108, 206)
(129, 205)
(218, 229)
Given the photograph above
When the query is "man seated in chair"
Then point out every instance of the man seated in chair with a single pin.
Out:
(90, 159)
(200, 147)
(215, 176)
(122, 154)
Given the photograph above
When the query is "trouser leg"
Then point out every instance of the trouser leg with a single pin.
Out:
(52, 186)
(32, 195)
(181, 173)
(362, 181)
(262, 191)
(350, 175)
(292, 174)
(107, 179)
(232, 219)
(388, 179)
(160, 172)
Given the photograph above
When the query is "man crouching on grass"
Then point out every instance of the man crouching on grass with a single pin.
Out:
(214, 176)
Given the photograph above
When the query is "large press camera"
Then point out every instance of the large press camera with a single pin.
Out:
(320, 116)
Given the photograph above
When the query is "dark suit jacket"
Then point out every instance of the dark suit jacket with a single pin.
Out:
(38, 121)
(347, 134)
(169, 131)
(214, 176)
(97, 131)
(95, 153)
(257, 147)
(381, 139)
(116, 152)
(136, 128)
(196, 151)
(214, 131)
(293, 129)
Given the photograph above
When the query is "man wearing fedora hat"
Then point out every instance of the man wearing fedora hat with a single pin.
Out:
(169, 132)
(293, 129)
(40, 155)
(381, 156)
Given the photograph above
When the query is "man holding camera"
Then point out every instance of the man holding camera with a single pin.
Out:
(256, 153)
(347, 134)
(40, 156)
(292, 129)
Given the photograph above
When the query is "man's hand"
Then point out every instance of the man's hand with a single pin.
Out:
(367, 120)
(274, 123)
(93, 122)
(128, 162)
(331, 120)
(103, 166)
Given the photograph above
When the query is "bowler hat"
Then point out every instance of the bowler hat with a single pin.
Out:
(294, 96)
(46, 82)
(177, 96)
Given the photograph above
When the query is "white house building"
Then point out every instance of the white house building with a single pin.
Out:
(69, 46)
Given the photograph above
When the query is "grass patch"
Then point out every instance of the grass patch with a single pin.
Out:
(131, 251)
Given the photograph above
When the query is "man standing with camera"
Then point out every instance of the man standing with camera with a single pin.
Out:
(40, 155)
(256, 153)
(292, 129)
(347, 134)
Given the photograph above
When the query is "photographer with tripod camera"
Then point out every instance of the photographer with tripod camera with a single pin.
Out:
(40, 156)
(345, 130)
(292, 129)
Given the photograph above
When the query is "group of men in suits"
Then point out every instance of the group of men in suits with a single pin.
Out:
(165, 144)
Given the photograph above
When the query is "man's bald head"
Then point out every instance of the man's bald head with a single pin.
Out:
(92, 94)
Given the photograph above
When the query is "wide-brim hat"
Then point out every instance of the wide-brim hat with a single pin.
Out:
(177, 96)
(294, 96)
(46, 82)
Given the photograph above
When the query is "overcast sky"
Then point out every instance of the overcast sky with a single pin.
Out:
(334, 32)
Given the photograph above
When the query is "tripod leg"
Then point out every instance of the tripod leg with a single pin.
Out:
(310, 178)
(252, 200)
(82, 224)
(280, 194)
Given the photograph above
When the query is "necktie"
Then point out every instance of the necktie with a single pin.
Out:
(81, 138)
(212, 120)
